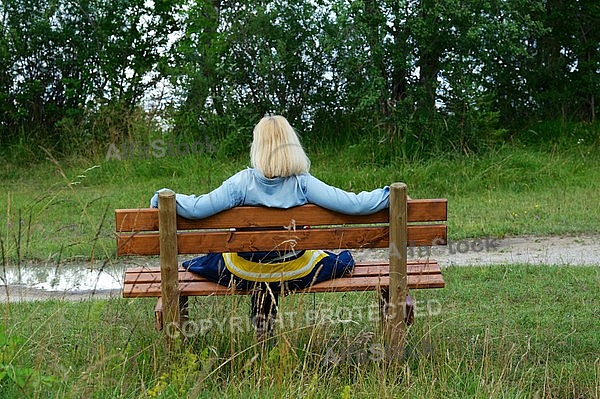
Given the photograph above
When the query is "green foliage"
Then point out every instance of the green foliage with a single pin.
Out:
(560, 134)
(63, 59)
(24, 379)
(565, 67)
(247, 59)
(423, 75)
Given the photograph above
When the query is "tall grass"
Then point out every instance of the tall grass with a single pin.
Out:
(505, 331)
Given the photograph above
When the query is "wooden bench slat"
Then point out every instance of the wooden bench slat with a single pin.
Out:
(412, 264)
(146, 219)
(366, 276)
(371, 268)
(242, 241)
(374, 283)
(206, 288)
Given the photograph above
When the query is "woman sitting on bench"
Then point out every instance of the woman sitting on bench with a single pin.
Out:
(279, 178)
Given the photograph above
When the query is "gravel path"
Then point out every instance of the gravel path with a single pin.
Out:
(565, 250)
(79, 283)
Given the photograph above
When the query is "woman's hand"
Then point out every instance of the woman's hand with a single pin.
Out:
(154, 199)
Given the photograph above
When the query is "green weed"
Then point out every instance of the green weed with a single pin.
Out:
(501, 331)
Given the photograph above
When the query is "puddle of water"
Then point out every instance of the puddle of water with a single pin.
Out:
(65, 278)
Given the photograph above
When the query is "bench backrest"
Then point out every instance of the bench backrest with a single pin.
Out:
(264, 229)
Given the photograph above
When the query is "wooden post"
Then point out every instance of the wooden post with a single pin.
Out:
(395, 328)
(169, 286)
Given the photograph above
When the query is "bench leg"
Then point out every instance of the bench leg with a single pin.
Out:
(264, 312)
(158, 314)
(409, 304)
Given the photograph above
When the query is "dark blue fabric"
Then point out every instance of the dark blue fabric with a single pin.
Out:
(212, 267)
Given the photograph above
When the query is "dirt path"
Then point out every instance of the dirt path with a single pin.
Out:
(565, 250)
(581, 250)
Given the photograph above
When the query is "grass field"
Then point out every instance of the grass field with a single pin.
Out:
(494, 332)
(507, 331)
(65, 210)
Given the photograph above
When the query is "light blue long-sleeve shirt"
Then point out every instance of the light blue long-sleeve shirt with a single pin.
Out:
(250, 187)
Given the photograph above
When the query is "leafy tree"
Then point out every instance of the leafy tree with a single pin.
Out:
(249, 58)
(64, 57)
(564, 72)
(408, 73)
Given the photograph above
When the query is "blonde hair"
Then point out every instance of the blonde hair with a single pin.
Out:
(276, 150)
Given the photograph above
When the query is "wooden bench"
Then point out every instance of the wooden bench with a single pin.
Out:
(161, 232)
